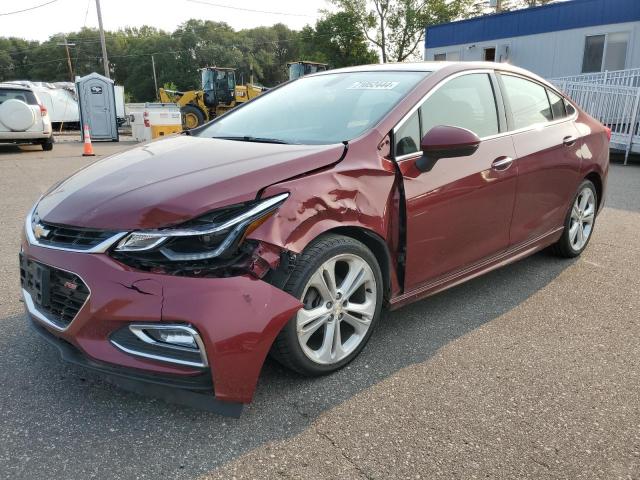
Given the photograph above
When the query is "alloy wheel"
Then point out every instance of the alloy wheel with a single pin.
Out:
(339, 304)
(582, 218)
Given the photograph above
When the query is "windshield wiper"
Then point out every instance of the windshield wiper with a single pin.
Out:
(248, 138)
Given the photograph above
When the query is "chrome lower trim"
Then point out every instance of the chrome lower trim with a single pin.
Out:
(138, 330)
(38, 315)
(100, 248)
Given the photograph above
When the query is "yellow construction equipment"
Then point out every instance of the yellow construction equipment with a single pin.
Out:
(302, 68)
(218, 95)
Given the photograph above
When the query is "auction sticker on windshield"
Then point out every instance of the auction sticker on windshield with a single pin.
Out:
(377, 85)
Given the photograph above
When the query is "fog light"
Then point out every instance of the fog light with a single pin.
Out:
(166, 342)
(174, 337)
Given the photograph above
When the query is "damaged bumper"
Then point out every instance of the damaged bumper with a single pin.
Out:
(235, 320)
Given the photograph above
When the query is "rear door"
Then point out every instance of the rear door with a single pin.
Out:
(459, 212)
(548, 151)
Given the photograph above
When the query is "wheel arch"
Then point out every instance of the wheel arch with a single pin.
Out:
(596, 179)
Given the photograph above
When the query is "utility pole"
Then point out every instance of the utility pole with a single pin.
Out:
(104, 45)
(66, 46)
(155, 78)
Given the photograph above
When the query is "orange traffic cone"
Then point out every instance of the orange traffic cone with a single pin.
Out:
(88, 148)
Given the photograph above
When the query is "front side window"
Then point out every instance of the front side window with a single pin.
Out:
(528, 101)
(321, 110)
(408, 136)
(467, 102)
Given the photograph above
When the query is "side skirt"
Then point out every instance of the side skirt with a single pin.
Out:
(506, 257)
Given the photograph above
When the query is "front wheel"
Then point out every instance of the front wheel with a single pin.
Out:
(579, 222)
(192, 117)
(339, 282)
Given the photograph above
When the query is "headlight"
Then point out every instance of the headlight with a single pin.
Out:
(216, 234)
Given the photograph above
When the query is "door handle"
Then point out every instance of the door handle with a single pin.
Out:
(502, 163)
(569, 141)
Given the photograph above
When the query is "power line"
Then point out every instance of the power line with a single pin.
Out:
(211, 4)
(28, 9)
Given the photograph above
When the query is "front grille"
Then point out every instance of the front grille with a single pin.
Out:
(71, 237)
(56, 293)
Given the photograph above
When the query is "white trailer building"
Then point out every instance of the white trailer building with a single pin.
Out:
(555, 40)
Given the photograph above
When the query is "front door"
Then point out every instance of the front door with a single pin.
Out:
(459, 212)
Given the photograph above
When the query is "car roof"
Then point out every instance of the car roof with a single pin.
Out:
(431, 66)
(427, 66)
(15, 86)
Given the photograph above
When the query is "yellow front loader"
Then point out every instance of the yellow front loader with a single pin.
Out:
(219, 94)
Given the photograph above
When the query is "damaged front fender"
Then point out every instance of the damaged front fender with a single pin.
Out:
(359, 194)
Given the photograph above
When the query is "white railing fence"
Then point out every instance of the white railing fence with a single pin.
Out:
(613, 98)
(624, 78)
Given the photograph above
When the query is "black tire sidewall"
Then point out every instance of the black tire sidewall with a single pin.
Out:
(195, 111)
(308, 267)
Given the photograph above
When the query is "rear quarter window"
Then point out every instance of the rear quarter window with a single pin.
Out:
(24, 95)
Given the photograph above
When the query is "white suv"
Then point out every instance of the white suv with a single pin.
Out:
(23, 117)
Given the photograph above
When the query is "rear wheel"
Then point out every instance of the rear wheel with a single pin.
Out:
(339, 283)
(579, 223)
(192, 117)
(47, 145)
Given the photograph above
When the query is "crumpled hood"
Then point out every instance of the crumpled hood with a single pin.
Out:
(170, 181)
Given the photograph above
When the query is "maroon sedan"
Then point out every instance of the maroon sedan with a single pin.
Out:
(286, 225)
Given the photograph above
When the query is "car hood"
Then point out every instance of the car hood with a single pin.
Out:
(169, 181)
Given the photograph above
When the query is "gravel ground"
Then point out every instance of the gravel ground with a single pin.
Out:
(528, 372)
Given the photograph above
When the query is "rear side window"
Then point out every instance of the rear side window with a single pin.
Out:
(467, 102)
(528, 101)
(25, 95)
(557, 105)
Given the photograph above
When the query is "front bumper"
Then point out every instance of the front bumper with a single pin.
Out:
(237, 319)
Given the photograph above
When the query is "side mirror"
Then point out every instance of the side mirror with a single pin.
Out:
(444, 141)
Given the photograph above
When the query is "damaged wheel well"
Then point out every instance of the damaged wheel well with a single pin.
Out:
(278, 276)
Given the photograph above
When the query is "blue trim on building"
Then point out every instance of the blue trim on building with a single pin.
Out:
(531, 21)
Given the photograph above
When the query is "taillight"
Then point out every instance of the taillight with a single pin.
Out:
(43, 110)
(146, 119)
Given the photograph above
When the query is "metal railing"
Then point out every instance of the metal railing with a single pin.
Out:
(613, 98)
(625, 78)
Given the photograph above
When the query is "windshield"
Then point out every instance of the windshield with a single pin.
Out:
(324, 109)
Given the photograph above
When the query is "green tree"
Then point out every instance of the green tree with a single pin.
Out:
(336, 41)
(397, 27)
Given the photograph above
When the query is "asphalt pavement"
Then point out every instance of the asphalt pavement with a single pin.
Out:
(531, 371)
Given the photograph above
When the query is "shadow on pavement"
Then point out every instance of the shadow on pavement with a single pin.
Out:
(56, 419)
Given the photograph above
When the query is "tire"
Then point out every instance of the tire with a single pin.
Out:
(343, 327)
(192, 117)
(47, 145)
(572, 245)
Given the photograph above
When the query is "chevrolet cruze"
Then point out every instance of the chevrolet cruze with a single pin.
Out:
(288, 224)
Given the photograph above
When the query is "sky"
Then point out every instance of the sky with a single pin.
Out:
(69, 15)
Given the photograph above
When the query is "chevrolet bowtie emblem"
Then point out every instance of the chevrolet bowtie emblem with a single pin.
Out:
(40, 232)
